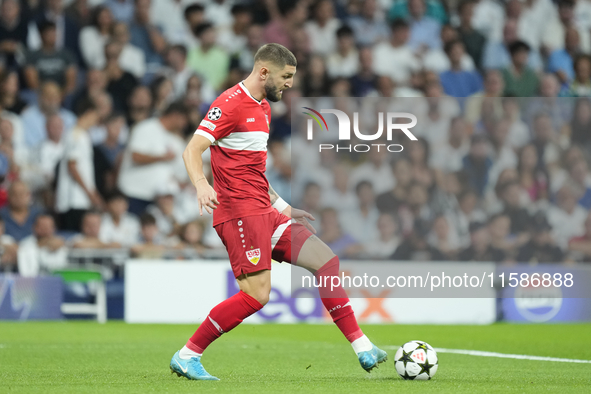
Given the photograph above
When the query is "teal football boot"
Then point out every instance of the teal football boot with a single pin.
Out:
(371, 358)
(191, 369)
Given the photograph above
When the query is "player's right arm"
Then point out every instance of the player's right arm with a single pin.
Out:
(192, 156)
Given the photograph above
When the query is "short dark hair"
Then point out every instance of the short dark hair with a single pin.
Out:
(398, 23)
(115, 195)
(344, 31)
(45, 25)
(449, 45)
(517, 46)
(202, 28)
(286, 6)
(193, 8)
(276, 54)
(147, 219)
(240, 9)
(86, 104)
(179, 47)
(176, 107)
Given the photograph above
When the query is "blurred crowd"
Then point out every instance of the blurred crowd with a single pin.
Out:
(98, 98)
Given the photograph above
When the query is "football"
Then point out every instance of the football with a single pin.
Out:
(416, 360)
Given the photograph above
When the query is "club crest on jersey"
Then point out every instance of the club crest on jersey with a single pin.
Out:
(254, 255)
(214, 114)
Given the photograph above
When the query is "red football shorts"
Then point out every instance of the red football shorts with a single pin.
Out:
(253, 241)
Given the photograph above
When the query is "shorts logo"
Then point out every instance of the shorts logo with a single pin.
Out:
(207, 124)
(249, 120)
(214, 114)
(254, 255)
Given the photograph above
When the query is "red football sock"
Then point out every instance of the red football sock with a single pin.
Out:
(222, 318)
(336, 301)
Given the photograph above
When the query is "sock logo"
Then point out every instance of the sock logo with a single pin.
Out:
(339, 307)
(216, 325)
(254, 255)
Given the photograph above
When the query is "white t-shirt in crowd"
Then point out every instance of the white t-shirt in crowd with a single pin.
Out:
(33, 260)
(142, 181)
(69, 194)
(126, 233)
(397, 63)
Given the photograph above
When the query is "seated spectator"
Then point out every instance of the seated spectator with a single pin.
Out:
(510, 193)
(344, 61)
(361, 221)
(497, 55)
(520, 79)
(94, 37)
(519, 133)
(145, 35)
(151, 157)
(480, 248)
(448, 156)
(443, 238)
(434, 9)
(567, 217)
(580, 247)
(169, 17)
(10, 99)
(533, 178)
(209, 60)
(416, 248)
(494, 87)
(286, 18)
(323, 28)
(162, 93)
(581, 83)
(499, 227)
(331, 232)
(117, 224)
(384, 245)
(477, 164)
(365, 81)
(541, 248)
(89, 238)
(122, 9)
(151, 245)
(139, 105)
(473, 40)
(544, 139)
(120, 83)
(76, 190)
(340, 196)
(377, 170)
(35, 117)
(580, 124)
(43, 251)
(368, 27)
(392, 200)
(132, 58)
(49, 63)
(194, 15)
(560, 61)
(437, 61)
(457, 82)
(178, 71)
(13, 32)
(19, 216)
(396, 51)
(9, 249)
(424, 30)
(191, 237)
(502, 154)
(162, 211)
(107, 155)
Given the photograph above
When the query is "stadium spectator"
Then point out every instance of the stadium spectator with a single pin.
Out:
(76, 190)
(10, 99)
(344, 60)
(580, 247)
(146, 36)
(480, 248)
(120, 83)
(132, 59)
(544, 140)
(494, 87)
(580, 124)
(89, 237)
(9, 248)
(122, 9)
(457, 82)
(117, 225)
(415, 247)
(365, 80)
(559, 110)
(502, 154)
(384, 245)
(520, 79)
(532, 176)
(369, 29)
(510, 193)
(541, 248)
(13, 32)
(340, 196)
(20, 215)
(560, 61)
(424, 30)
(50, 64)
(43, 251)
(435, 59)
(567, 217)
(51, 151)
(499, 226)
(580, 86)
(287, 16)
(149, 158)
(316, 83)
(178, 71)
(151, 245)
(331, 232)
(244, 59)
(323, 28)
(361, 221)
(209, 59)
(376, 169)
(191, 238)
(392, 200)
(162, 211)
(579, 174)
(80, 12)
(168, 16)
(496, 53)
(396, 51)
(139, 105)
(478, 164)
(108, 155)
(443, 238)
(473, 40)
(194, 15)
(433, 9)
(94, 37)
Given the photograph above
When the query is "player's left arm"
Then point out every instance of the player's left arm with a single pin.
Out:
(283, 207)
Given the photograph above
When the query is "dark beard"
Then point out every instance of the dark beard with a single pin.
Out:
(272, 92)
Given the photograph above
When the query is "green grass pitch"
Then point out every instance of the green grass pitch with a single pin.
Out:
(85, 357)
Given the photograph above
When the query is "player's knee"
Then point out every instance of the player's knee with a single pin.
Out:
(262, 295)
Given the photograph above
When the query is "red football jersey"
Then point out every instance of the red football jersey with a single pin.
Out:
(237, 124)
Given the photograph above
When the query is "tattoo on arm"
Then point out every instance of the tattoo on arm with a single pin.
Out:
(273, 194)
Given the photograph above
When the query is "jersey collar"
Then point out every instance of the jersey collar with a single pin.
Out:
(241, 84)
